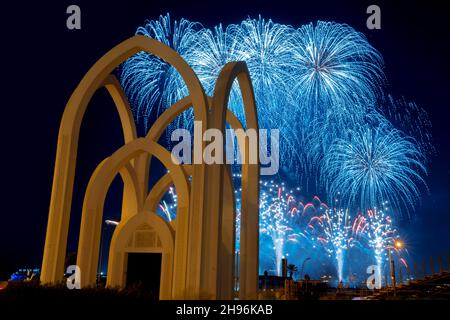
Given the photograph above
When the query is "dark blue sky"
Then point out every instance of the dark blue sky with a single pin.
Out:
(42, 62)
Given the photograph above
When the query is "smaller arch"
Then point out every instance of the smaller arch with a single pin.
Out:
(95, 196)
(119, 249)
(155, 132)
(160, 189)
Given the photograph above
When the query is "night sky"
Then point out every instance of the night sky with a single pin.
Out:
(43, 61)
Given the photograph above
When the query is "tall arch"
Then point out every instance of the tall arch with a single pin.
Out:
(226, 239)
(249, 261)
(97, 76)
(211, 252)
(204, 227)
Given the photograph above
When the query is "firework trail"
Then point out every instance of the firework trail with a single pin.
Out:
(278, 223)
(283, 225)
(412, 120)
(281, 221)
(378, 234)
(168, 206)
(374, 165)
(333, 230)
(292, 229)
(277, 215)
(375, 228)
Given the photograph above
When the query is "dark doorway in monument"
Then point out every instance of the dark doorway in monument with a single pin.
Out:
(144, 273)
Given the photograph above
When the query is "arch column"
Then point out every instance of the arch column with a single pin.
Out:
(129, 207)
(249, 253)
(227, 244)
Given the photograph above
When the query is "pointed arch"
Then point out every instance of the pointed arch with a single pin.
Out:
(92, 212)
(97, 76)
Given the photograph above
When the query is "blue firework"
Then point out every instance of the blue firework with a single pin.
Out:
(338, 78)
(317, 84)
(266, 47)
(412, 120)
(336, 69)
(374, 165)
(149, 82)
(333, 232)
(379, 234)
(211, 51)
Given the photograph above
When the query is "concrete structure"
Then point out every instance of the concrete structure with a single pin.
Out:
(198, 246)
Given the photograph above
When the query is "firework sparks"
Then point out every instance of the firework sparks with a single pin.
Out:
(333, 231)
